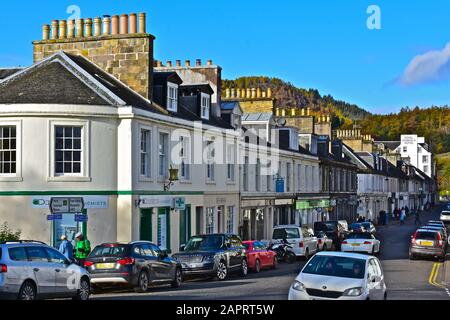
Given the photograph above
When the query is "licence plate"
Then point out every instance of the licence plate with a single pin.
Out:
(355, 244)
(426, 243)
(105, 265)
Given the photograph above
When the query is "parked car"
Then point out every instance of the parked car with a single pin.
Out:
(215, 255)
(356, 227)
(428, 243)
(302, 239)
(259, 257)
(361, 242)
(136, 265)
(335, 230)
(31, 270)
(340, 276)
(445, 216)
(323, 242)
(369, 227)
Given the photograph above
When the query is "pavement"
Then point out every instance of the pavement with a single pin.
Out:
(405, 279)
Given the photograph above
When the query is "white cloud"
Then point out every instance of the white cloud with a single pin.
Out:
(432, 66)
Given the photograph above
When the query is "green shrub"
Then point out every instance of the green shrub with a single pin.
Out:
(6, 234)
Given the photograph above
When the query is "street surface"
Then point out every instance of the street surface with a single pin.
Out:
(406, 280)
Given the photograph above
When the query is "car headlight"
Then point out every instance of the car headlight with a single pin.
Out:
(354, 292)
(297, 285)
(208, 258)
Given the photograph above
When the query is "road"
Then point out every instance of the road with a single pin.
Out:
(406, 280)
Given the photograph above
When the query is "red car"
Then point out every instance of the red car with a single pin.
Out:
(259, 257)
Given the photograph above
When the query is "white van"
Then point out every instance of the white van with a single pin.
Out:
(302, 239)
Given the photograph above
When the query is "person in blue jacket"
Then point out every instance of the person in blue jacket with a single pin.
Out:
(66, 248)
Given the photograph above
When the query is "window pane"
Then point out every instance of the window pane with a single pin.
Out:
(59, 156)
(77, 167)
(68, 156)
(68, 132)
(67, 167)
(68, 143)
(77, 132)
(76, 156)
(59, 132)
(77, 144)
(59, 167)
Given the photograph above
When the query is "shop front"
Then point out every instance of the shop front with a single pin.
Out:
(256, 219)
(312, 210)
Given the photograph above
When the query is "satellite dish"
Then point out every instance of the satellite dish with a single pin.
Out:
(281, 122)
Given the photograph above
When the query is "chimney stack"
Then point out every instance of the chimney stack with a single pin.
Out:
(55, 29)
(124, 24)
(133, 23)
(142, 23)
(115, 25)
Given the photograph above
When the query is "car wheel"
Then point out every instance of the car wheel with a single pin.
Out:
(222, 271)
(275, 263)
(244, 268)
(412, 256)
(142, 283)
(177, 281)
(27, 291)
(84, 291)
(257, 266)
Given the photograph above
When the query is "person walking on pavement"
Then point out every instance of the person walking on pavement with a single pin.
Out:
(402, 216)
(82, 248)
(66, 248)
(417, 220)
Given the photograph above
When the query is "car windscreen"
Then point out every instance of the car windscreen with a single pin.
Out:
(359, 236)
(366, 225)
(355, 226)
(109, 251)
(205, 243)
(286, 233)
(343, 267)
(445, 213)
(426, 235)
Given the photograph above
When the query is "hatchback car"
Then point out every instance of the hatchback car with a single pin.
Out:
(137, 265)
(340, 276)
(259, 257)
(213, 255)
(31, 270)
(427, 243)
(445, 216)
(302, 239)
(361, 242)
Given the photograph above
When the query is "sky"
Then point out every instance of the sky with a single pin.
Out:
(321, 44)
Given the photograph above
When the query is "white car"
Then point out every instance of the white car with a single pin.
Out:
(361, 242)
(445, 216)
(340, 276)
(302, 239)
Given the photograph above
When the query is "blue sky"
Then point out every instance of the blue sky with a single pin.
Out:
(323, 44)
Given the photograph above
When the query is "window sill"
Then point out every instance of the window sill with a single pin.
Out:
(10, 179)
(210, 182)
(230, 182)
(69, 179)
(185, 181)
(145, 179)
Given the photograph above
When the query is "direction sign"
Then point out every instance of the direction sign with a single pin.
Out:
(53, 217)
(66, 205)
(81, 218)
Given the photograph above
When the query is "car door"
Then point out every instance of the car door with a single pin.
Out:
(260, 253)
(374, 283)
(307, 240)
(381, 284)
(66, 277)
(162, 266)
(236, 251)
(44, 272)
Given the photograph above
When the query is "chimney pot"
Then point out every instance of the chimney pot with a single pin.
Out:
(258, 92)
(115, 25)
(227, 93)
(253, 93)
(198, 62)
(71, 29)
(80, 28)
(106, 25)
(46, 32)
(209, 62)
(235, 93)
(188, 63)
(55, 29)
(248, 93)
(169, 64)
(269, 93)
(62, 29)
(124, 24)
(88, 24)
(97, 27)
(133, 23)
(142, 23)
(178, 63)
(159, 63)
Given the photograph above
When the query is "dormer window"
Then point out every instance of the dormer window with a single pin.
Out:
(205, 105)
(172, 97)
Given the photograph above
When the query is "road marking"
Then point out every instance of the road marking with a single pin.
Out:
(433, 276)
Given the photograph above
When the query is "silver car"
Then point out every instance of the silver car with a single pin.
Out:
(340, 276)
(32, 270)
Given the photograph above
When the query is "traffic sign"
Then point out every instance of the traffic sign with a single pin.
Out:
(66, 205)
(53, 217)
(81, 218)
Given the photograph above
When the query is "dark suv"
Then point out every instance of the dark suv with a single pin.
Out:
(136, 264)
(215, 255)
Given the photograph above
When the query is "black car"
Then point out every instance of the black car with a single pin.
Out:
(137, 265)
(334, 230)
(213, 255)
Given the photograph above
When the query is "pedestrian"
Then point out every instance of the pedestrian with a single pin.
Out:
(82, 248)
(417, 220)
(407, 210)
(66, 248)
(402, 216)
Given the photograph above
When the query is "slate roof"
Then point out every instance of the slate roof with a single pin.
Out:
(391, 145)
(229, 105)
(6, 72)
(257, 116)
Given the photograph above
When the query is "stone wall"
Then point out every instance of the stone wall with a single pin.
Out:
(127, 57)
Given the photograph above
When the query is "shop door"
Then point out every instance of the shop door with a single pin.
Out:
(185, 225)
(164, 228)
(146, 225)
(68, 227)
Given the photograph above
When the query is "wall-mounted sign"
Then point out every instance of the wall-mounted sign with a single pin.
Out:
(279, 183)
(54, 217)
(81, 218)
(90, 202)
(66, 205)
(311, 204)
(179, 203)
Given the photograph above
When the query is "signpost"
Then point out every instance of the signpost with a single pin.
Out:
(66, 205)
